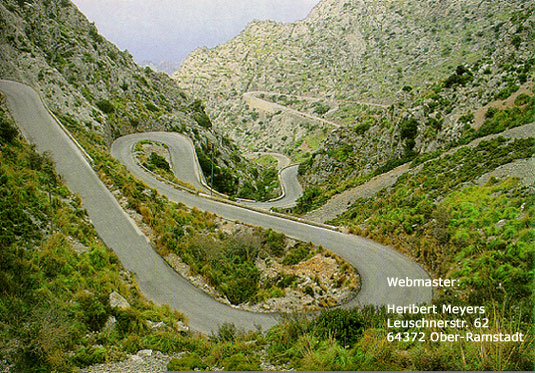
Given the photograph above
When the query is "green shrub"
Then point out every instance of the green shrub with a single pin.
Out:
(307, 201)
(134, 122)
(240, 362)
(342, 153)
(491, 111)
(159, 162)
(275, 242)
(500, 120)
(393, 163)
(8, 132)
(130, 321)
(466, 118)
(94, 311)
(435, 359)
(516, 41)
(362, 128)
(199, 114)
(461, 77)
(506, 92)
(244, 284)
(523, 99)
(90, 356)
(150, 106)
(132, 343)
(298, 254)
(324, 355)
(166, 342)
(227, 332)
(105, 106)
(409, 128)
(345, 326)
(222, 180)
(285, 280)
(189, 361)
(320, 108)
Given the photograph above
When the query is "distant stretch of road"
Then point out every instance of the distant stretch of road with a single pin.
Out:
(252, 99)
(316, 99)
(155, 278)
(291, 189)
(185, 165)
(272, 107)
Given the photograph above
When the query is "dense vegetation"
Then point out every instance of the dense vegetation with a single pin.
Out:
(54, 300)
(459, 223)
(481, 234)
(498, 120)
(440, 216)
(266, 187)
(56, 275)
(263, 185)
(437, 234)
(350, 168)
(220, 178)
(226, 261)
(352, 340)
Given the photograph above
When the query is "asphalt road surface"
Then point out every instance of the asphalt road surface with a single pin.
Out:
(156, 279)
(185, 165)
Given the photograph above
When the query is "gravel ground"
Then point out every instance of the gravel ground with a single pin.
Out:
(149, 361)
(144, 361)
(339, 203)
(524, 169)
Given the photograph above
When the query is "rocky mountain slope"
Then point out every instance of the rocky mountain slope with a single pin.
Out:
(88, 81)
(378, 51)
(165, 66)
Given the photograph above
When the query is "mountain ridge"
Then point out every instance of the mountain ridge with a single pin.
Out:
(86, 80)
(384, 51)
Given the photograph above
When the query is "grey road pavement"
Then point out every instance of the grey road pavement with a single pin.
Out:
(156, 279)
(375, 262)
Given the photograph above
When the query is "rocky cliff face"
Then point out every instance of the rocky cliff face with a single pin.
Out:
(350, 52)
(84, 78)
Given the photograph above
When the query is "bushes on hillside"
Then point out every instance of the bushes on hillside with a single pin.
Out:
(157, 161)
(199, 114)
(307, 201)
(461, 76)
(220, 178)
(8, 132)
(499, 120)
(430, 215)
(105, 106)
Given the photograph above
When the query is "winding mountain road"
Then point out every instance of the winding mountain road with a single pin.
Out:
(272, 107)
(186, 167)
(252, 99)
(291, 188)
(155, 277)
(316, 99)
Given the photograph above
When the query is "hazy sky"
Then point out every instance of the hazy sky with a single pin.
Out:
(170, 29)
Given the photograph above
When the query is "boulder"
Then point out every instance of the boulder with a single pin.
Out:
(118, 301)
(181, 327)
